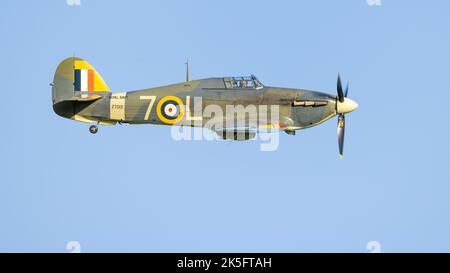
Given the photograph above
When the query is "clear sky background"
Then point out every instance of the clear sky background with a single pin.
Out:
(133, 188)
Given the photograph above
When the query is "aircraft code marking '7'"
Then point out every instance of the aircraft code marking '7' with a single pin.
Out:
(150, 105)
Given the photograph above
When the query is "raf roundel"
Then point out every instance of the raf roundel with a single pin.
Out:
(170, 109)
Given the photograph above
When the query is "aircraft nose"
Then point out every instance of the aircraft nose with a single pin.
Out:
(346, 107)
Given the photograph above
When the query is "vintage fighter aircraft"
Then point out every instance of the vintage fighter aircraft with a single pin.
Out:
(79, 93)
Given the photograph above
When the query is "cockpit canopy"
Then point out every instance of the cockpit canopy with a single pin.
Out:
(243, 82)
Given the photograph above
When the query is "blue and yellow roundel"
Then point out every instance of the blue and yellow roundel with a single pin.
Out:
(170, 109)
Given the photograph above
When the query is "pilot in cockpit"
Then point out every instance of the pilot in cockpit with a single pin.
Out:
(243, 84)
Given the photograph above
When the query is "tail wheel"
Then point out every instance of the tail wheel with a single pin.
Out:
(93, 129)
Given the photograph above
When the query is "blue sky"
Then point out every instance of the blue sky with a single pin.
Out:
(133, 188)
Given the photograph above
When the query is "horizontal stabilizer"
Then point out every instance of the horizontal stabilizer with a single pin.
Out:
(81, 98)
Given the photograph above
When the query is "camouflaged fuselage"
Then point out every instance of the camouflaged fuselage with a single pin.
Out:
(297, 108)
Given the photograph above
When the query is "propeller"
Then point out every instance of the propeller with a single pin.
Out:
(343, 105)
(339, 89)
(341, 134)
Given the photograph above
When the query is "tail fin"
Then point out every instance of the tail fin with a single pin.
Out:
(76, 77)
(75, 80)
